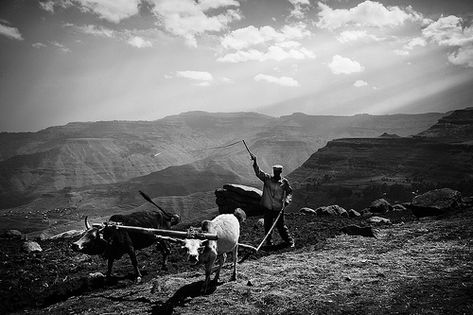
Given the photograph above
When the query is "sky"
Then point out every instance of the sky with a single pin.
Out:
(86, 60)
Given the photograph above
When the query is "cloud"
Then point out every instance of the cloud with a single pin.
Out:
(251, 36)
(206, 5)
(60, 46)
(368, 13)
(195, 75)
(401, 52)
(348, 36)
(47, 6)
(11, 32)
(139, 42)
(410, 45)
(38, 45)
(283, 81)
(462, 57)
(282, 44)
(110, 10)
(189, 19)
(449, 31)
(274, 52)
(360, 83)
(417, 41)
(343, 65)
(94, 30)
(300, 6)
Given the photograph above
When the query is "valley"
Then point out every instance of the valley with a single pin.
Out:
(96, 169)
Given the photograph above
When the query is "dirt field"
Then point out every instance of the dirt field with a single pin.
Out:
(414, 266)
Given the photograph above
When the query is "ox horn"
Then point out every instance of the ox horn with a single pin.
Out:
(87, 225)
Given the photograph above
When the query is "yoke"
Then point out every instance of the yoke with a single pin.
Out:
(191, 233)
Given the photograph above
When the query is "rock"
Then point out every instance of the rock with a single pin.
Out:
(365, 213)
(96, 279)
(358, 230)
(334, 210)
(380, 206)
(31, 247)
(14, 234)
(306, 210)
(259, 224)
(436, 202)
(467, 201)
(82, 258)
(67, 234)
(399, 207)
(242, 190)
(42, 236)
(378, 220)
(389, 135)
(233, 196)
(352, 213)
(96, 275)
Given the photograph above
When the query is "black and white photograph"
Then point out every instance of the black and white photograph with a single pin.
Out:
(236, 157)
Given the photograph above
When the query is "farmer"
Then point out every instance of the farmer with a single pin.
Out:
(275, 189)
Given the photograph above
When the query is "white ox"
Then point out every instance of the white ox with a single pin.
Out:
(206, 252)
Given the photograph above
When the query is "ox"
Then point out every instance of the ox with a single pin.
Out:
(113, 243)
(206, 252)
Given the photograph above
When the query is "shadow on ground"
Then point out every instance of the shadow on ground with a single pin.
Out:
(183, 295)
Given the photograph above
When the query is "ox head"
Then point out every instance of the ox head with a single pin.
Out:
(92, 241)
(175, 219)
(193, 248)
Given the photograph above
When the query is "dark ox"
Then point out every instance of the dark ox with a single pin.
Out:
(113, 243)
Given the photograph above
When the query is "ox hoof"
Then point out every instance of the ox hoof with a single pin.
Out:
(138, 280)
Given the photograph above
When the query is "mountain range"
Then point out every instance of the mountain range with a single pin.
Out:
(176, 155)
(97, 168)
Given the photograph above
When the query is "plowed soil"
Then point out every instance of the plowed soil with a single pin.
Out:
(413, 266)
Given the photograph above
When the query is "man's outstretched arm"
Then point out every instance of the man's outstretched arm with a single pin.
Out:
(259, 173)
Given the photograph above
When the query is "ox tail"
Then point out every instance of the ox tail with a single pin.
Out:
(173, 217)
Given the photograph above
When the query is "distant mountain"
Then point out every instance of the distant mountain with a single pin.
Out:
(84, 154)
(456, 127)
(353, 172)
(176, 155)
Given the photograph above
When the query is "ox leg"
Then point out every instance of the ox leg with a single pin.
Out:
(209, 263)
(235, 259)
(165, 249)
(131, 253)
(221, 261)
(208, 271)
(109, 269)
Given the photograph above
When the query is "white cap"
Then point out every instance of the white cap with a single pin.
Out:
(277, 167)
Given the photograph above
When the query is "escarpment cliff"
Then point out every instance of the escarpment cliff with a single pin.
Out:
(353, 171)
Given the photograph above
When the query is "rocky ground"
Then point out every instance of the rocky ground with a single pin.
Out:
(414, 266)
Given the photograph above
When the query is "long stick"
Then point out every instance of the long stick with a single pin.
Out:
(270, 230)
(247, 148)
(148, 198)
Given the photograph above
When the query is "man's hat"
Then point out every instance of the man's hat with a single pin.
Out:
(277, 167)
